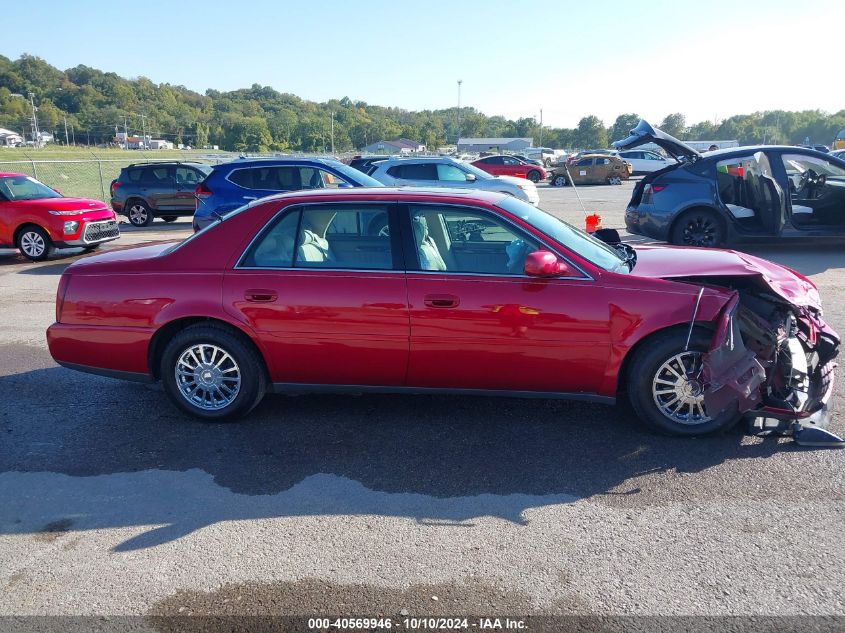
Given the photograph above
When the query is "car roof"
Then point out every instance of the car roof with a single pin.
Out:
(387, 193)
(276, 162)
(729, 152)
(167, 162)
(7, 174)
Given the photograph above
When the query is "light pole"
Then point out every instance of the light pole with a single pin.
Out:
(332, 132)
(541, 127)
(36, 135)
(67, 142)
(460, 81)
(144, 130)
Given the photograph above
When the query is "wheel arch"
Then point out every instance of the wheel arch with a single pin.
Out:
(23, 225)
(167, 331)
(697, 206)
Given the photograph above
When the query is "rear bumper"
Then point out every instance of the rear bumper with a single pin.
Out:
(106, 350)
(641, 221)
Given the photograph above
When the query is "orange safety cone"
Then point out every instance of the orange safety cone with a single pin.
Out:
(592, 223)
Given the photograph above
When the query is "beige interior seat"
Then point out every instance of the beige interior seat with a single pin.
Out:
(430, 258)
(314, 249)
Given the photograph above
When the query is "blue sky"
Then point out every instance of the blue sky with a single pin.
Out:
(707, 59)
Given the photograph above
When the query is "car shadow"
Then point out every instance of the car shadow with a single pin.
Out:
(96, 453)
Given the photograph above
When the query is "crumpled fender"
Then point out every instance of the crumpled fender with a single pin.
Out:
(732, 374)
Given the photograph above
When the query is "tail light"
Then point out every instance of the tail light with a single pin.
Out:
(114, 186)
(649, 190)
(201, 192)
(64, 282)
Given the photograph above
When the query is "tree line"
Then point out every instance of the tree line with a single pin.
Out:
(96, 104)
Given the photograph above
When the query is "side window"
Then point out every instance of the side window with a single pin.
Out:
(187, 176)
(495, 160)
(509, 161)
(157, 175)
(418, 171)
(584, 162)
(242, 178)
(135, 175)
(313, 178)
(450, 173)
(274, 249)
(468, 241)
(342, 237)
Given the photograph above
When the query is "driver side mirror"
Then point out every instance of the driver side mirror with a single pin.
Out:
(470, 177)
(546, 264)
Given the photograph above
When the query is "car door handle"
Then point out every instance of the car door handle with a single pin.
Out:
(442, 301)
(261, 295)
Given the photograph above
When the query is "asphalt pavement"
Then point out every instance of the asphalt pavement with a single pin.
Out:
(113, 502)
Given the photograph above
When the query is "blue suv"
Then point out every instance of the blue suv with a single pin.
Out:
(231, 185)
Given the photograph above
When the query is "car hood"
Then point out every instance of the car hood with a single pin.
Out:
(644, 133)
(520, 182)
(671, 262)
(64, 204)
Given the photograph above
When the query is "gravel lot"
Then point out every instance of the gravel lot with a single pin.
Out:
(112, 502)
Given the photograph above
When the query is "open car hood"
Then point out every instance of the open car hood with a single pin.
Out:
(644, 133)
(671, 262)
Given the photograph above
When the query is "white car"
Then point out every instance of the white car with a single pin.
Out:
(443, 171)
(646, 162)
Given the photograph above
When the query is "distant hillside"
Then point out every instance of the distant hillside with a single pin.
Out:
(261, 119)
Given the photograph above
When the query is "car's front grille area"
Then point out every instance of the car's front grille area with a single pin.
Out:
(99, 231)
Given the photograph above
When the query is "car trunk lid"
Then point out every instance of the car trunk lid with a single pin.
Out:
(645, 133)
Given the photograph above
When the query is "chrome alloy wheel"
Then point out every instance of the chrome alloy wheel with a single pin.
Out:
(208, 377)
(33, 244)
(678, 389)
(137, 214)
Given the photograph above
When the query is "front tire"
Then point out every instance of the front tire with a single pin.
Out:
(211, 373)
(34, 243)
(559, 181)
(139, 214)
(699, 227)
(665, 386)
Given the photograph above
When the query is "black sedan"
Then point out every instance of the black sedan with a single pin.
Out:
(752, 193)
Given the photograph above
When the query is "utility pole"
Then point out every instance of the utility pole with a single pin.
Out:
(144, 129)
(460, 81)
(72, 135)
(66, 141)
(541, 127)
(125, 134)
(36, 135)
(332, 132)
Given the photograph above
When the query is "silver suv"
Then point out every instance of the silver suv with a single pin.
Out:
(443, 171)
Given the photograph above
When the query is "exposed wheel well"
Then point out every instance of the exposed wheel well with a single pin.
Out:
(699, 207)
(21, 228)
(169, 330)
(622, 376)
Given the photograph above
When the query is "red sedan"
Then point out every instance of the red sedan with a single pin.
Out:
(36, 219)
(511, 166)
(468, 292)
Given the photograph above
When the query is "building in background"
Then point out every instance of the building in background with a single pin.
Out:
(398, 146)
(497, 145)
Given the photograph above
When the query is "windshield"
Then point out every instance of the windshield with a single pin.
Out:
(353, 175)
(593, 250)
(472, 169)
(16, 188)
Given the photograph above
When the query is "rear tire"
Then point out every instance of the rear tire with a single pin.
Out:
(534, 176)
(34, 243)
(139, 213)
(211, 373)
(169, 218)
(698, 227)
(560, 181)
(656, 383)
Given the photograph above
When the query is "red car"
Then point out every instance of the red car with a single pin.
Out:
(468, 292)
(503, 165)
(36, 219)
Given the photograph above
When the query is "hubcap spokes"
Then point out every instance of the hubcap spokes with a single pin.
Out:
(678, 389)
(208, 377)
(32, 244)
(699, 232)
(138, 214)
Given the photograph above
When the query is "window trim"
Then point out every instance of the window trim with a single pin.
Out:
(412, 256)
(395, 242)
(299, 165)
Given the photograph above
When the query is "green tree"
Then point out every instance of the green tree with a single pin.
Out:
(674, 125)
(591, 133)
(623, 125)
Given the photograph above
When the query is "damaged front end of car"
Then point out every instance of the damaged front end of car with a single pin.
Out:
(772, 361)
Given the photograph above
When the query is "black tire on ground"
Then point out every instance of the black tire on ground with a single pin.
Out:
(534, 176)
(647, 380)
(139, 213)
(169, 218)
(559, 181)
(247, 361)
(34, 243)
(698, 227)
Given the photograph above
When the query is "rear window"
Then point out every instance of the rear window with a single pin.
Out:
(134, 175)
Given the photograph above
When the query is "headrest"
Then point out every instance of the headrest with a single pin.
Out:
(420, 225)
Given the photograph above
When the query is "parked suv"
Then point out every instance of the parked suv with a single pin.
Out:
(146, 190)
(232, 185)
(443, 171)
